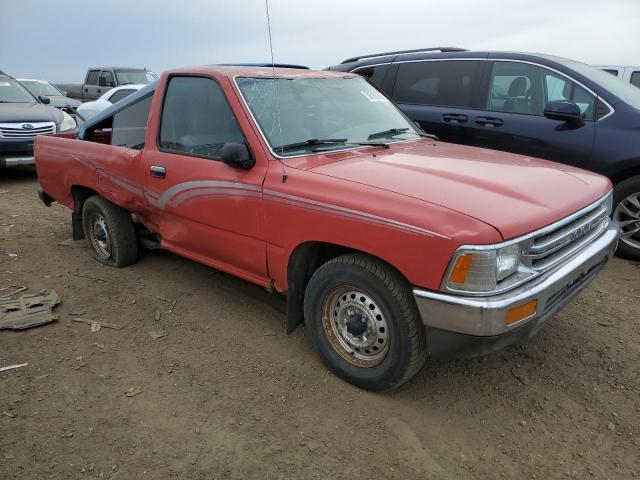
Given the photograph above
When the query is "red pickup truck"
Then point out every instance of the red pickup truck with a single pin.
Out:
(390, 245)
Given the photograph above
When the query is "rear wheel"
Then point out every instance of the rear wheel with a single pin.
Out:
(110, 232)
(363, 322)
(626, 211)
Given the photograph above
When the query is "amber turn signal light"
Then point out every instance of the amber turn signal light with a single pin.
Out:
(525, 310)
(461, 269)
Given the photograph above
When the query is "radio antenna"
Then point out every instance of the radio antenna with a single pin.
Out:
(275, 88)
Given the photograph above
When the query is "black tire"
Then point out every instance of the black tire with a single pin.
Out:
(119, 247)
(406, 345)
(621, 192)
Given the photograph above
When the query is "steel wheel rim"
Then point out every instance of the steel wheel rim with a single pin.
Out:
(355, 326)
(100, 238)
(627, 214)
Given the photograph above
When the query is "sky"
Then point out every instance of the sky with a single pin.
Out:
(58, 40)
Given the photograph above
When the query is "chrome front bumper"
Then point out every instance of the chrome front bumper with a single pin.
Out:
(486, 316)
(14, 161)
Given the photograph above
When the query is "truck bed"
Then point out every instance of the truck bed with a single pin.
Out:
(73, 90)
(88, 165)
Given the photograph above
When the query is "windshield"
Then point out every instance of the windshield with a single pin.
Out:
(12, 92)
(127, 77)
(42, 88)
(321, 114)
(623, 90)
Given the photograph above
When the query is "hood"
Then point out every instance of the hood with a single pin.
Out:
(29, 112)
(60, 101)
(513, 193)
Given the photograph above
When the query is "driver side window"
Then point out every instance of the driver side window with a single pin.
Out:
(196, 118)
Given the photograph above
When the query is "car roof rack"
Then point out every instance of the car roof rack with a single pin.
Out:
(399, 52)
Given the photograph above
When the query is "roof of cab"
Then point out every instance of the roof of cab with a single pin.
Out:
(249, 71)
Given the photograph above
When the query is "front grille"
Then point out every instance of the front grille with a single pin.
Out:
(26, 130)
(553, 245)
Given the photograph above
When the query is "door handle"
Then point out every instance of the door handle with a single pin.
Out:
(489, 122)
(158, 171)
(454, 118)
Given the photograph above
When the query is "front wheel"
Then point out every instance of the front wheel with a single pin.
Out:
(363, 322)
(626, 211)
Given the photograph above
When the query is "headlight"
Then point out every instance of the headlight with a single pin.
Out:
(485, 270)
(68, 123)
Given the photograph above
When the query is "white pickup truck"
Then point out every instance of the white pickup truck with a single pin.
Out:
(625, 73)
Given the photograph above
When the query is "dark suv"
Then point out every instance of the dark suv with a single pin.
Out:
(536, 105)
(22, 118)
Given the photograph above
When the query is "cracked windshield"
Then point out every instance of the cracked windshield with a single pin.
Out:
(303, 115)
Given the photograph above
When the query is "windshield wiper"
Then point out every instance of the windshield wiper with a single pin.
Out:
(371, 144)
(398, 131)
(309, 143)
(386, 133)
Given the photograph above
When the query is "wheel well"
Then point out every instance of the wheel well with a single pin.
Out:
(303, 262)
(80, 195)
(628, 173)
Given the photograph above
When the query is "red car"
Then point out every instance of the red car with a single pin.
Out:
(390, 245)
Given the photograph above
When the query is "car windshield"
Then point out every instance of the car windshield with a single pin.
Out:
(42, 88)
(626, 92)
(12, 92)
(127, 77)
(302, 115)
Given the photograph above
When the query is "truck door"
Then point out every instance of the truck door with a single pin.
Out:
(203, 208)
(90, 87)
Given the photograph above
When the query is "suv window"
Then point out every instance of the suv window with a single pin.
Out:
(130, 124)
(196, 118)
(635, 79)
(120, 94)
(522, 88)
(375, 73)
(440, 83)
(92, 77)
(611, 71)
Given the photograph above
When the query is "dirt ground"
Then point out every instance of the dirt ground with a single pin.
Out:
(225, 394)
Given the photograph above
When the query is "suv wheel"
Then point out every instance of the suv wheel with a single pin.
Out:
(626, 211)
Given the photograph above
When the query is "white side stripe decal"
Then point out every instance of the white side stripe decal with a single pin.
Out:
(182, 187)
(321, 206)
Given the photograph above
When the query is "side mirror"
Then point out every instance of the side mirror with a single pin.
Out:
(44, 100)
(64, 92)
(564, 111)
(237, 155)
